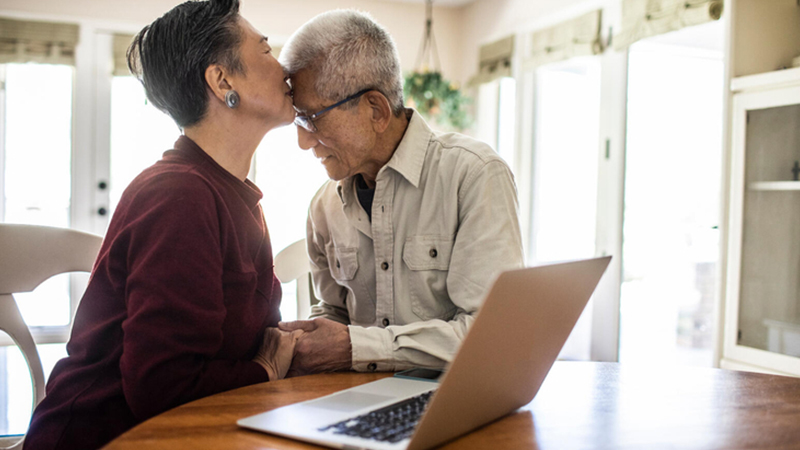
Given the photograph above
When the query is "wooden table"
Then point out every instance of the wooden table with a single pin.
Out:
(582, 405)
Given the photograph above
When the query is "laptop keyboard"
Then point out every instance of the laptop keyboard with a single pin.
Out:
(391, 423)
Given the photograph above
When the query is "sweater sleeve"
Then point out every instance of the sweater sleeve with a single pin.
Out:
(174, 299)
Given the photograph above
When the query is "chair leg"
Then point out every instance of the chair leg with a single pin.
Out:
(13, 324)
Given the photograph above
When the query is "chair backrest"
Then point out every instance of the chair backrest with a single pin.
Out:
(292, 264)
(29, 255)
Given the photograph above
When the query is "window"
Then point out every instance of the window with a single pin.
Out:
(140, 134)
(565, 160)
(496, 116)
(36, 116)
(672, 182)
(289, 177)
(566, 133)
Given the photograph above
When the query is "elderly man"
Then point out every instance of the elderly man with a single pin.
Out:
(408, 237)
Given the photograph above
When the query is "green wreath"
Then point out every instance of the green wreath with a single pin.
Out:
(437, 99)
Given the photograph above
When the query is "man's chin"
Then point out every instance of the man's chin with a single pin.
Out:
(333, 174)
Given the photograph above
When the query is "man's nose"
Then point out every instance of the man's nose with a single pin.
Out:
(305, 139)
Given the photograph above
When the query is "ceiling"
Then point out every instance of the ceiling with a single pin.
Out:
(452, 3)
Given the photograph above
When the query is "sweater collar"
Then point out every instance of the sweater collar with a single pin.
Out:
(187, 148)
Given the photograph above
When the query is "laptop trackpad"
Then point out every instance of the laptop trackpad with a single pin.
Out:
(349, 401)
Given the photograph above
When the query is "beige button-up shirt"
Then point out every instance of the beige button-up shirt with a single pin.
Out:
(410, 282)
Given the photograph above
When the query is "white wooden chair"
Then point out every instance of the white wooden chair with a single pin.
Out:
(291, 264)
(29, 255)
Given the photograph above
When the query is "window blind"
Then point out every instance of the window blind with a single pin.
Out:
(23, 41)
(577, 37)
(494, 61)
(645, 18)
(120, 44)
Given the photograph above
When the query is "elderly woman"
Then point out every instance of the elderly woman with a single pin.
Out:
(183, 288)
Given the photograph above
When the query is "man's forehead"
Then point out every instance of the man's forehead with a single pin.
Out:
(305, 97)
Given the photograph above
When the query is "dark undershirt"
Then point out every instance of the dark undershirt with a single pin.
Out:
(365, 195)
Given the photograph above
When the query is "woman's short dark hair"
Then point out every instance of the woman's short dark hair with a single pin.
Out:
(170, 56)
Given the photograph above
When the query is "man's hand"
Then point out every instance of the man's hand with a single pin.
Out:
(323, 347)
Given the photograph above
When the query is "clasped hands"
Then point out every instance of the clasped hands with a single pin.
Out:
(303, 347)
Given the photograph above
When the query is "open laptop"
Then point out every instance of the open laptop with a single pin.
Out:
(518, 334)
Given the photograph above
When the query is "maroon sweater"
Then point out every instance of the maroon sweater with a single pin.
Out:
(175, 308)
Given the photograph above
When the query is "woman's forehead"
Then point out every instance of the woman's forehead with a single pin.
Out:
(250, 32)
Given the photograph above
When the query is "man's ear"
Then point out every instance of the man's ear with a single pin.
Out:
(216, 81)
(380, 109)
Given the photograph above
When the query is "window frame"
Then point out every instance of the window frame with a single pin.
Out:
(604, 345)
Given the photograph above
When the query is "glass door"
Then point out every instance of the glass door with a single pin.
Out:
(496, 117)
(672, 192)
(565, 164)
(35, 160)
(140, 134)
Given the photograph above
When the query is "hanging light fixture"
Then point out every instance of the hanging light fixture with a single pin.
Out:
(427, 91)
(427, 50)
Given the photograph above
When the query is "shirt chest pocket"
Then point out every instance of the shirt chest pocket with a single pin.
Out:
(428, 261)
(343, 263)
(428, 252)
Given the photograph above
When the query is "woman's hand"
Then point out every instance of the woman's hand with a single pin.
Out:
(277, 351)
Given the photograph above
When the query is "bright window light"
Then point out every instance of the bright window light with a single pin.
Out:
(289, 178)
(140, 134)
(565, 162)
(672, 194)
(565, 174)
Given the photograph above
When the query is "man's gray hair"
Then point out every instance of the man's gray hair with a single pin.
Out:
(349, 52)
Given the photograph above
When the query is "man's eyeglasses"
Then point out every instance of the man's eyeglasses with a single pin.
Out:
(307, 122)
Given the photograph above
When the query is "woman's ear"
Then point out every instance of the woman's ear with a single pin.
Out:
(217, 81)
(380, 109)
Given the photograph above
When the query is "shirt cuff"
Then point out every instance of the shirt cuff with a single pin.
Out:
(372, 349)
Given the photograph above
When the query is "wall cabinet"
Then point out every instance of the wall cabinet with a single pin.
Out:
(760, 302)
(762, 323)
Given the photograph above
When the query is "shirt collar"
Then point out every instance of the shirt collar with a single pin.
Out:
(408, 157)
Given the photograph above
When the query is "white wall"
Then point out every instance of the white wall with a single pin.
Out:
(275, 18)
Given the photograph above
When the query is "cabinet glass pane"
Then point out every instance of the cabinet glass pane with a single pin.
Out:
(769, 310)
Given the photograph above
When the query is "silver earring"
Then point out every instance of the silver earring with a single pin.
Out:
(232, 99)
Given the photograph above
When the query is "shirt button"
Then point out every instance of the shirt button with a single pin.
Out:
(372, 367)
(385, 265)
(433, 253)
(385, 322)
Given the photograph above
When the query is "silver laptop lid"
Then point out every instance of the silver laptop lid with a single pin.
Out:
(520, 330)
